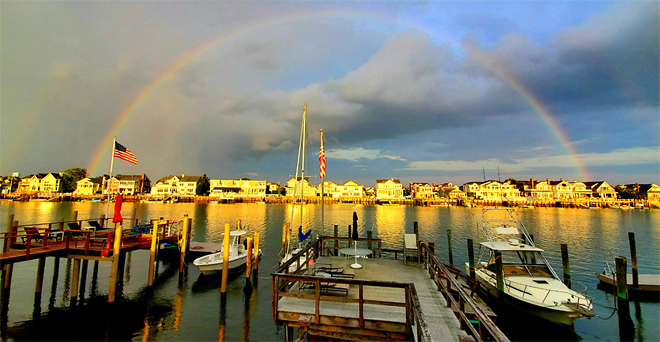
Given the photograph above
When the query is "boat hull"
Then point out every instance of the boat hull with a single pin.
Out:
(213, 263)
(553, 313)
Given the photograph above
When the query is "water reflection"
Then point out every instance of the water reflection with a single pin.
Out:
(176, 309)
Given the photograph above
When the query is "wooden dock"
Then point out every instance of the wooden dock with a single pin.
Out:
(647, 282)
(33, 242)
(385, 300)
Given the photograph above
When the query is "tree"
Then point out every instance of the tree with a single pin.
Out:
(71, 177)
(203, 186)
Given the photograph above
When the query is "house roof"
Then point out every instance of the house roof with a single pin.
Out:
(386, 180)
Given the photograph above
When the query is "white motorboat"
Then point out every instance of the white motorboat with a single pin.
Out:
(213, 263)
(529, 282)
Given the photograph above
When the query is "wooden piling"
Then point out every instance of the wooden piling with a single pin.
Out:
(565, 265)
(7, 269)
(256, 251)
(336, 250)
(183, 244)
(40, 275)
(416, 229)
(152, 252)
(470, 244)
(623, 307)
(248, 266)
(451, 257)
(225, 259)
(114, 269)
(499, 273)
(75, 279)
(633, 257)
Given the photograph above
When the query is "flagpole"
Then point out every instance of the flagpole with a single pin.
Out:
(322, 201)
(112, 163)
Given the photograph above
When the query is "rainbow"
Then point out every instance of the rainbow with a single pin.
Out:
(537, 106)
(188, 56)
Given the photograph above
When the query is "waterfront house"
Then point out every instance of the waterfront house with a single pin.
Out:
(650, 192)
(561, 189)
(293, 187)
(41, 183)
(492, 190)
(129, 184)
(389, 189)
(421, 190)
(176, 185)
(244, 187)
(89, 186)
(330, 189)
(601, 189)
(448, 190)
(349, 189)
(580, 190)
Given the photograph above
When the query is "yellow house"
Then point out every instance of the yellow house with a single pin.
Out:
(41, 182)
(350, 189)
(243, 187)
(389, 189)
(293, 187)
(421, 190)
(129, 184)
(601, 189)
(89, 186)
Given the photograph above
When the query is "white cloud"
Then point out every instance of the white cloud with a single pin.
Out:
(623, 157)
(357, 153)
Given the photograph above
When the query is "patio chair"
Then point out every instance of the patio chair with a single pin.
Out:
(327, 287)
(31, 232)
(96, 225)
(410, 247)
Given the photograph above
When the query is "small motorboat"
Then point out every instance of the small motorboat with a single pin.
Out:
(529, 282)
(213, 263)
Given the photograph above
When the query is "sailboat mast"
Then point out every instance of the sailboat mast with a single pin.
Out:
(295, 192)
(302, 176)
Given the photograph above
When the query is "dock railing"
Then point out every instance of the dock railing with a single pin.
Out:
(284, 280)
(443, 278)
(36, 236)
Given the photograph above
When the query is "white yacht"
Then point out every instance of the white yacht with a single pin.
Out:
(529, 282)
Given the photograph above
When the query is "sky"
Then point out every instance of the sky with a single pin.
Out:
(429, 91)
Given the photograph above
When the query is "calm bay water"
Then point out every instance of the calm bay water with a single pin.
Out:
(190, 308)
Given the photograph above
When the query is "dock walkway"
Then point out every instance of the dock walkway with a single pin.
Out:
(440, 319)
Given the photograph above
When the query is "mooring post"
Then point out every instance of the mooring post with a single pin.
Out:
(225, 260)
(499, 273)
(7, 268)
(248, 266)
(451, 257)
(470, 244)
(75, 278)
(565, 265)
(633, 256)
(625, 322)
(152, 252)
(40, 275)
(183, 245)
(369, 236)
(256, 252)
(416, 229)
(114, 269)
(335, 252)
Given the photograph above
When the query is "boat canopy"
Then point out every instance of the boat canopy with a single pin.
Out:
(507, 246)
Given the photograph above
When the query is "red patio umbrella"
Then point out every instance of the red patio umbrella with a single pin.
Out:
(117, 217)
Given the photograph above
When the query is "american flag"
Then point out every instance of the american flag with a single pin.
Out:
(123, 153)
(322, 159)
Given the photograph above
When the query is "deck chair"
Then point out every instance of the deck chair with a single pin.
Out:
(75, 226)
(326, 287)
(96, 225)
(410, 247)
(33, 233)
(326, 268)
